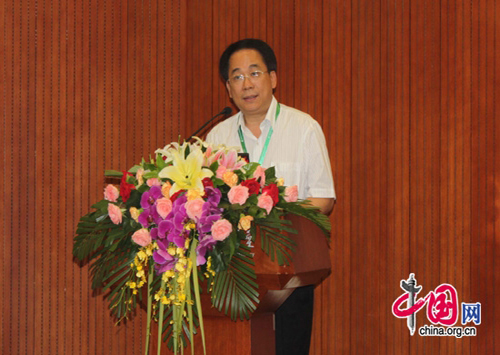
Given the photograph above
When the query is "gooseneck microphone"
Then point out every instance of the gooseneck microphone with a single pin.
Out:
(226, 111)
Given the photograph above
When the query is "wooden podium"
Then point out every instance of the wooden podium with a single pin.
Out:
(311, 264)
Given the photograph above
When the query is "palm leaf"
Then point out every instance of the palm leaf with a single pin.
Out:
(235, 289)
(310, 212)
(277, 245)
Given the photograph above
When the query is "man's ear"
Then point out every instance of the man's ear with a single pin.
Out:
(228, 87)
(274, 79)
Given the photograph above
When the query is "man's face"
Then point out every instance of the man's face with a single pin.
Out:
(253, 96)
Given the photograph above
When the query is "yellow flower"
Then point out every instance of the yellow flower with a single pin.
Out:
(142, 255)
(139, 176)
(179, 266)
(158, 295)
(149, 249)
(245, 222)
(165, 300)
(171, 250)
(190, 226)
(186, 173)
(181, 278)
(167, 274)
(230, 178)
(140, 273)
(209, 266)
(165, 189)
(194, 194)
(134, 213)
(280, 182)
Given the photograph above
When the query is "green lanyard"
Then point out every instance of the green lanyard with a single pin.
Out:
(268, 139)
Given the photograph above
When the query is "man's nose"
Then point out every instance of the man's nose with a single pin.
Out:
(247, 82)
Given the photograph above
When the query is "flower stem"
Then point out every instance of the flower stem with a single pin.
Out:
(150, 301)
(189, 306)
(196, 286)
(160, 320)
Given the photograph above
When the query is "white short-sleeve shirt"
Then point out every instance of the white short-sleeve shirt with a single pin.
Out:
(297, 148)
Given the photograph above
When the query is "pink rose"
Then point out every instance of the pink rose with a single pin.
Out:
(272, 190)
(260, 172)
(163, 207)
(154, 182)
(220, 171)
(221, 229)
(291, 193)
(142, 237)
(111, 193)
(238, 194)
(266, 202)
(115, 213)
(194, 208)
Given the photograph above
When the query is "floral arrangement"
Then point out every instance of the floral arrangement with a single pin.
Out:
(184, 219)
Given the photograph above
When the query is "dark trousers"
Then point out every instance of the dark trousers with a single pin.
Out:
(294, 323)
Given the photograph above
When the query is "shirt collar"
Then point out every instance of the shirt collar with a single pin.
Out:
(270, 115)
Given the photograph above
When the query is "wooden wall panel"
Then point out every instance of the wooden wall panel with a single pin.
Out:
(405, 92)
(4, 212)
(333, 337)
(425, 135)
(65, 119)
(484, 137)
(365, 176)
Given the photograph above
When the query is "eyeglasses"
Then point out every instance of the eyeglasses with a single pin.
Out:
(253, 77)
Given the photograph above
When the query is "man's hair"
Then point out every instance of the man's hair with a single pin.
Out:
(260, 46)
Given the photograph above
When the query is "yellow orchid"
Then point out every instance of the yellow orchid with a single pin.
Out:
(186, 173)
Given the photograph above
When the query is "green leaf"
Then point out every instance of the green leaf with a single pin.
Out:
(134, 169)
(235, 290)
(250, 169)
(151, 174)
(113, 173)
(310, 212)
(270, 173)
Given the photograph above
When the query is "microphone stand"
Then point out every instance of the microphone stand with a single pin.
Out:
(226, 111)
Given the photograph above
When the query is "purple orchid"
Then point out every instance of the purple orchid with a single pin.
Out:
(210, 214)
(172, 228)
(213, 196)
(206, 243)
(149, 197)
(164, 261)
(149, 216)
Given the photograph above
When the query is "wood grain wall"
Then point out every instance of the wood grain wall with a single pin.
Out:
(406, 93)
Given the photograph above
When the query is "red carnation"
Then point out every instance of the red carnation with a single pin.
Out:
(272, 191)
(207, 182)
(174, 196)
(253, 186)
(125, 187)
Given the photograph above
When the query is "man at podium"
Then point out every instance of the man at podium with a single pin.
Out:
(290, 140)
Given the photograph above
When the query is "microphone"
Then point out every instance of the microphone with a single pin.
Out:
(226, 111)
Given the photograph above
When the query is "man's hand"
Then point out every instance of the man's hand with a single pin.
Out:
(325, 204)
